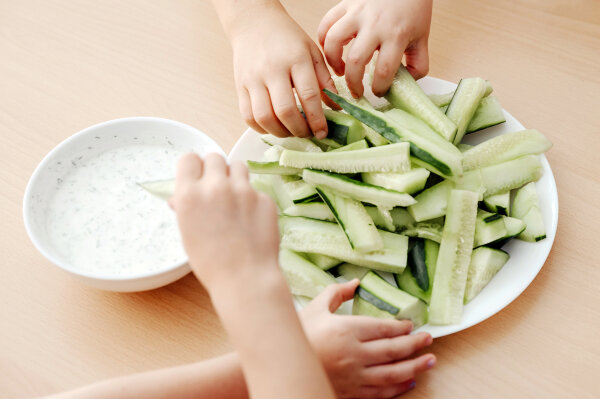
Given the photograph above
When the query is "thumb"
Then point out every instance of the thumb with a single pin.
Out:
(335, 294)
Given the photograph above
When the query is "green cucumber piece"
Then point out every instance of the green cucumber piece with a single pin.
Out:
(505, 147)
(465, 101)
(499, 203)
(354, 220)
(354, 189)
(509, 175)
(162, 189)
(430, 231)
(489, 113)
(326, 144)
(444, 158)
(387, 158)
(343, 128)
(417, 266)
(407, 281)
(303, 277)
(315, 236)
(406, 94)
(432, 202)
(271, 168)
(313, 210)
(291, 143)
(526, 207)
(375, 138)
(441, 100)
(382, 217)
(489, 227)
(409, 182)
(323, 261)
(453, 259)
(402, 218)
(300, 192)
(280, 195)
(485, 264)
(357, 145)
(464, 147)
(376, 297)
(350, 271)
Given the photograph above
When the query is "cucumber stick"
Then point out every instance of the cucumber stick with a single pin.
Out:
(505, 148)
(376, 297)
(488, 113)
(323, 261)
(407, 281)
(444, 158)
(354, 221)
(526, 207)
(350, 271)
(387, 158)
(300, 192)
(354, 189)
(453, 259)
(406, 94)
(409, 182)
(313, 210)
(303, 277)
(498, 203)
(315, 236)
(465, 101)
(343, 128)
(271, 168)
(485, 264)
(357, 145)
(291, 143)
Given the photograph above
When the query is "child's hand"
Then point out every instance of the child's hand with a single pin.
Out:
(364, 357)
(228, 229)
(394, 27)
(272, 55)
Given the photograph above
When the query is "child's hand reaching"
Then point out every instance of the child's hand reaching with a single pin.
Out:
(394, 27)
(271, 56)
(364, 357)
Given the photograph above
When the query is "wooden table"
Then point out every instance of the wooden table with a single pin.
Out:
(68, 64)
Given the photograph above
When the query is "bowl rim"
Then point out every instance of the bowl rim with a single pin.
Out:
(43, 163)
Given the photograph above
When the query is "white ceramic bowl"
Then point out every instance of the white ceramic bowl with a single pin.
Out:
(88, 143)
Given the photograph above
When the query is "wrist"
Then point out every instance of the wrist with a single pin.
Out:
(241, 17)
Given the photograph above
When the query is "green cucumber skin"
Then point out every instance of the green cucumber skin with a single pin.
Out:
(380, 125)
(354, 130)
(407, 282)
(378, 303)
(416, 263)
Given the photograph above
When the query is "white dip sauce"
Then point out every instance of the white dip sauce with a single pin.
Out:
(101, 221)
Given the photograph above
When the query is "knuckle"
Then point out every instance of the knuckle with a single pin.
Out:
(286, 111)
(384, 70)
(263, 117)
(384, 329)
(309, 94)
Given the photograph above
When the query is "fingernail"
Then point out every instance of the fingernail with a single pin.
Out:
(412, 385)
(431, 362)
(321, 134)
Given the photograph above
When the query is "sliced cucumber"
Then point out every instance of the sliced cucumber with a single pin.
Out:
(489, 227)
(162, 189)
(280, 195)
(315, 236)
(509, 175)
(432, 202)
(313, 210)
(343, 128)
(359, 191)
(271, 168)
(376, 297)
(526, 207)
(350, 271)
(323, 261)
(488, 113)
(357, 145)
(465, 101)
(326, 144)
(402, 218)
(406, 94)
(445, 159)
(303, 277)
(430, 231)
(485, 264)
(382, 217)
(407, 280)
(375, 138)
(409, 182)
(272, 154)
(300, 192)
(454, 258)
(354, 220)
(505, 147)
(291, 143)
(441, 100)
(387, 158)
(499, 203)
(464, 147)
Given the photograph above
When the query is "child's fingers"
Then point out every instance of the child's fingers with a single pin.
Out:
(246, 110)
(334, 295)
(328, 20)
(215, 166)
(263, 112)
(370, 328)
(359, 56)
(323, 76)
(239, 172)
(417, 59)
(309, 93)
(337, 37)
(284, 105)
(189, 170)
(398, 372)
(390, 350)
(388, 62)
(385, 391)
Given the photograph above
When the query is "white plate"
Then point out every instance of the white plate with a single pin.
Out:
(526, 259)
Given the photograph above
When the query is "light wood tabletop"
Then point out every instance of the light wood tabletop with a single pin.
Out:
(69, 64)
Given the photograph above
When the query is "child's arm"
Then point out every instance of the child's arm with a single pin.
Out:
(231, 236)
(396, 28)
(350, 348)
(271, 56)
